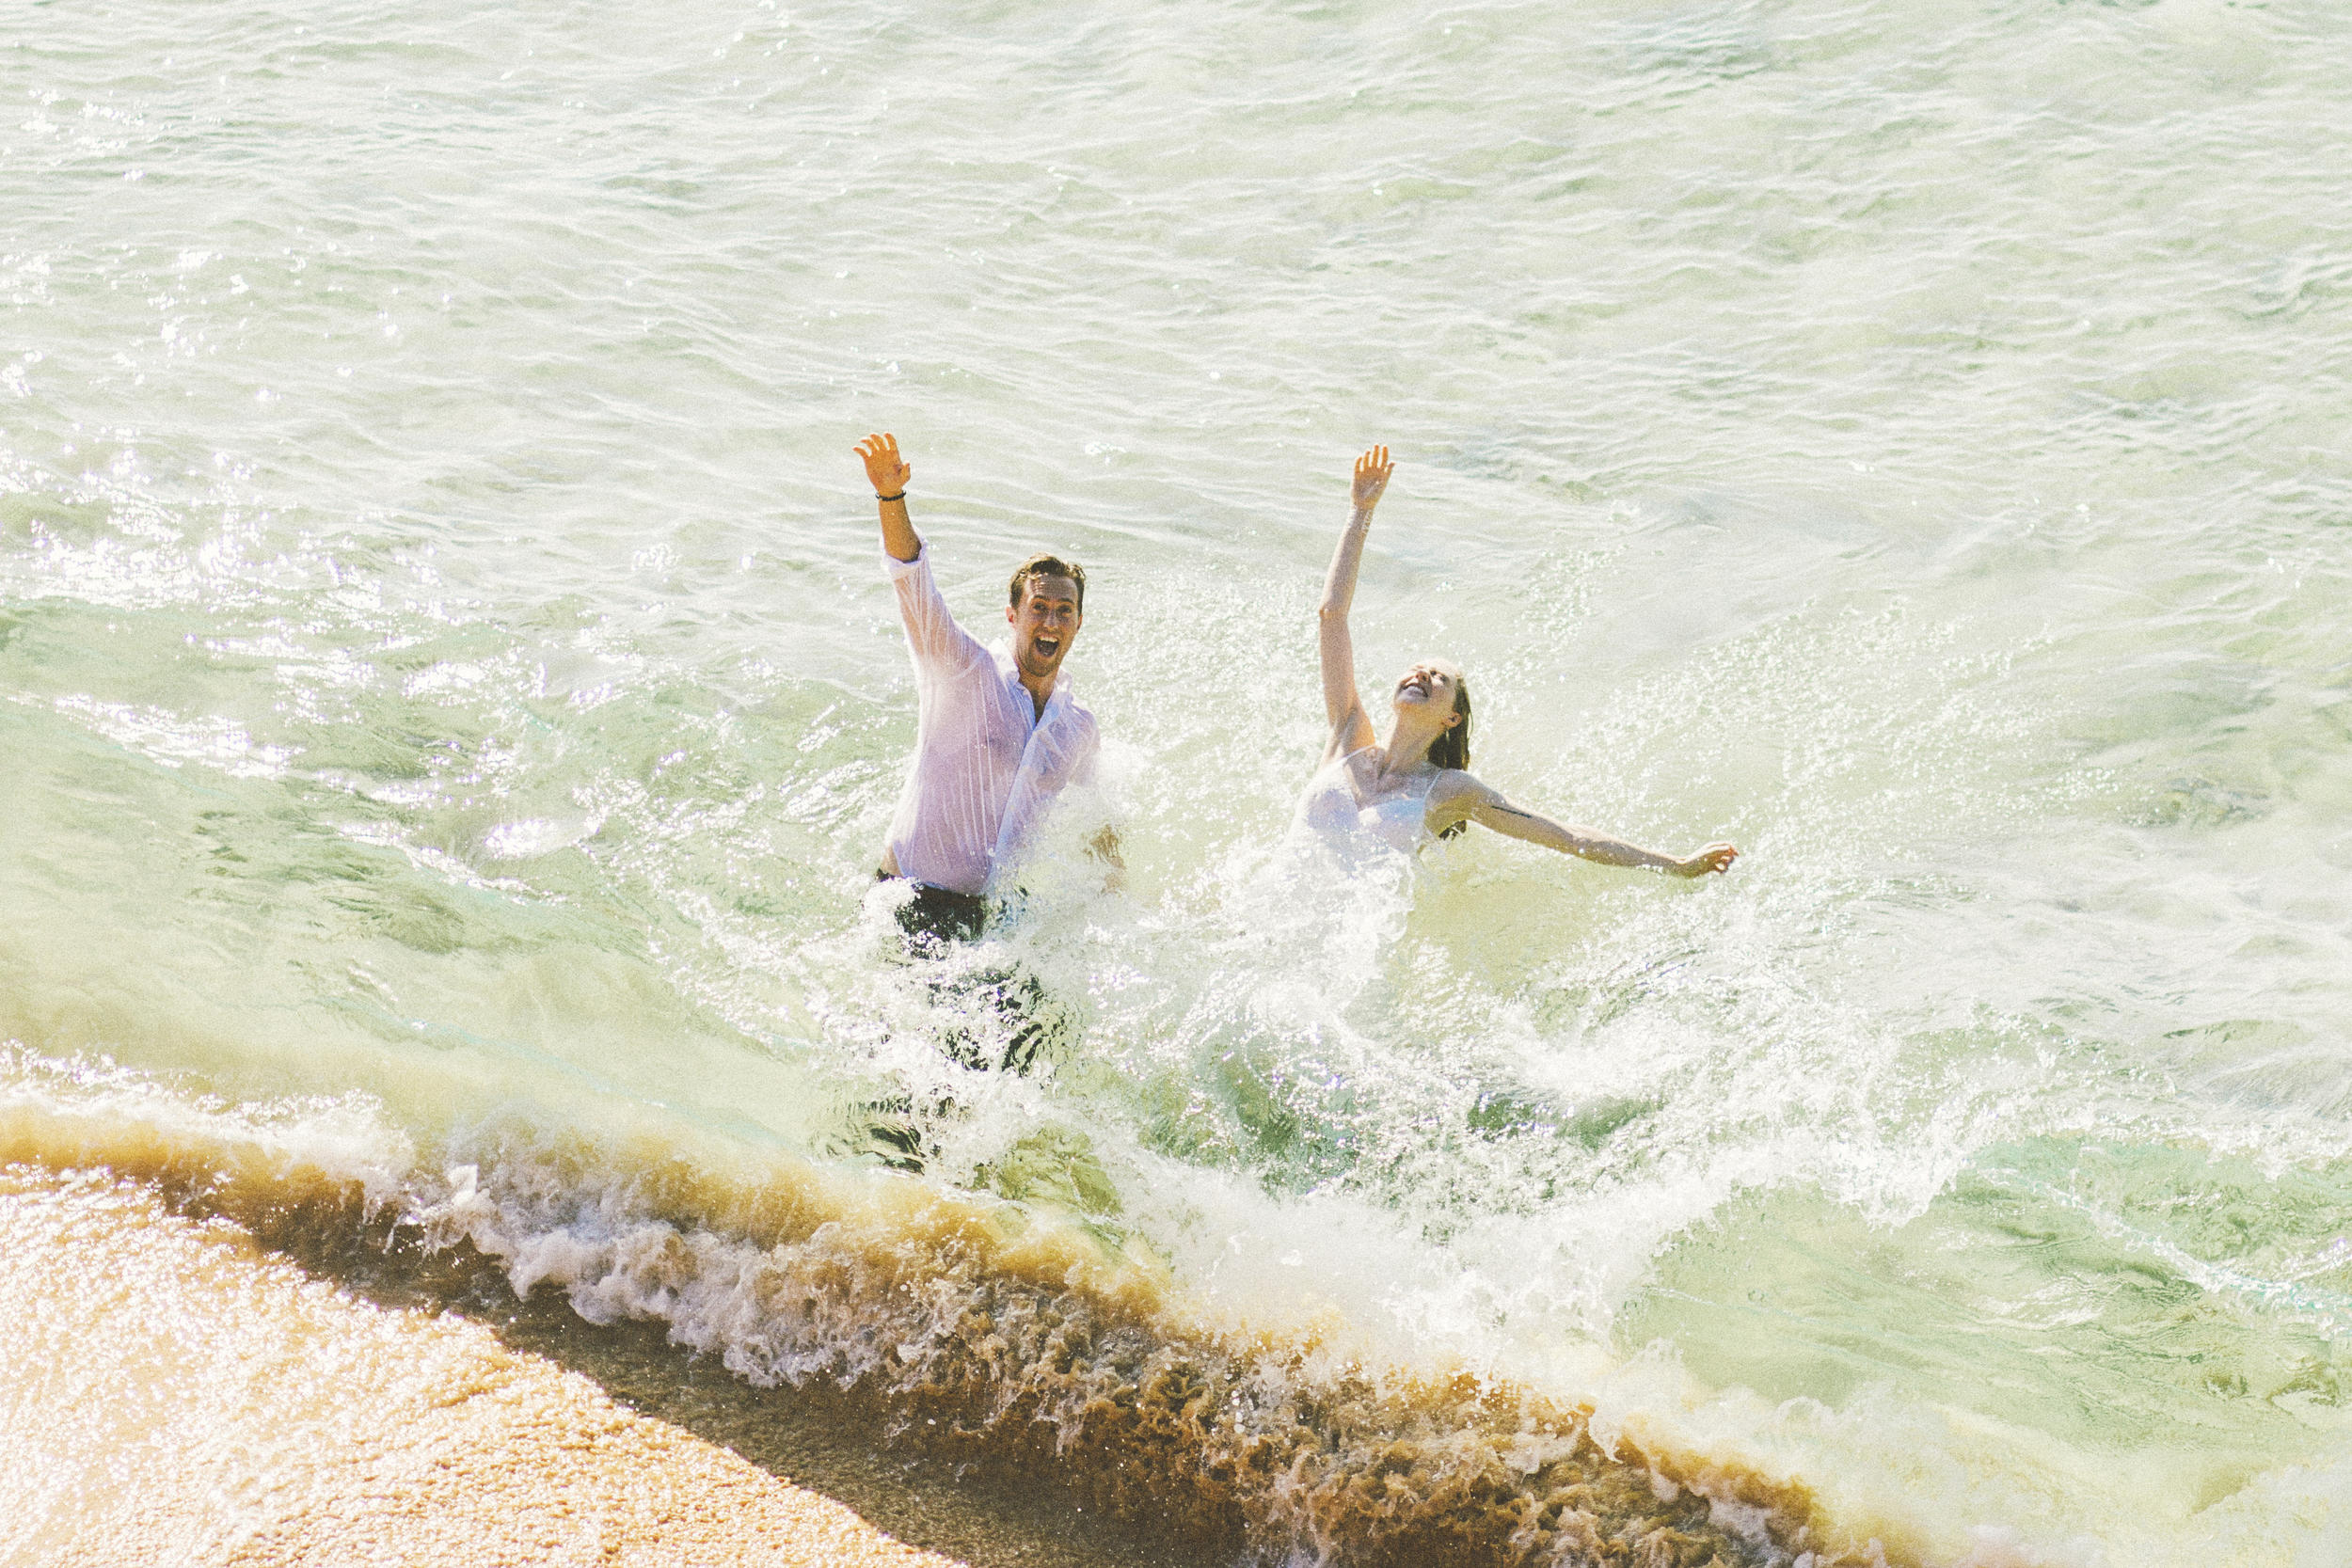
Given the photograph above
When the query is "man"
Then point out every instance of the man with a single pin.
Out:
(998, 732)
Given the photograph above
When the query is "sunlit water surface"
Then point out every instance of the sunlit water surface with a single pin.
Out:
(451, 702)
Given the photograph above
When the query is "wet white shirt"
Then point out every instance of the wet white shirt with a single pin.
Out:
(987, 763)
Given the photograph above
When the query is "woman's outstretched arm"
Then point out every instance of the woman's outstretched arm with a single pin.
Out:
(1351, 728)
(1480, 804)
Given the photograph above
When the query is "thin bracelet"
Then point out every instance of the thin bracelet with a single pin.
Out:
(900, 497)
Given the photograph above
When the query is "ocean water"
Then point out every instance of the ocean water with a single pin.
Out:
(451, 705)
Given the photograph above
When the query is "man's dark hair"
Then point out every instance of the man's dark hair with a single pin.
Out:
(1049, 566)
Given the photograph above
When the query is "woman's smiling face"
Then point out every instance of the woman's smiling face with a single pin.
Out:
(1431, 683)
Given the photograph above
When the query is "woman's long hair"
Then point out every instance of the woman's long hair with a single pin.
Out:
(1451, 747)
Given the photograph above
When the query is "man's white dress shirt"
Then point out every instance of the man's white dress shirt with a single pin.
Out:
(987, 763)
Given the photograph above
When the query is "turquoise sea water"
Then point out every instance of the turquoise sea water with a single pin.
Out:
(451, 702)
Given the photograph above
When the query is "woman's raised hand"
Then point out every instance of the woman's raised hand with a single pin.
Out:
(1715, 857)
(1372, 477)
(883, 466)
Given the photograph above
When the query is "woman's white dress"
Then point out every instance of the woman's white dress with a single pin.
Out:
(1334, 812)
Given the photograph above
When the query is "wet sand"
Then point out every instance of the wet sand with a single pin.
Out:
(175, 1391)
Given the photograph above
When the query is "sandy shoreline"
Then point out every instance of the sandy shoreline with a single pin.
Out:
(174, 1392)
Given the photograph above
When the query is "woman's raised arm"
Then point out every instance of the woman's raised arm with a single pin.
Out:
(1351, 728)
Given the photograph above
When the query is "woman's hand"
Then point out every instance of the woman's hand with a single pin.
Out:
(1715, 857)
(883, 467)
(1372, 477)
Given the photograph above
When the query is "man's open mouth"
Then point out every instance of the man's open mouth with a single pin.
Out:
(1046, 646)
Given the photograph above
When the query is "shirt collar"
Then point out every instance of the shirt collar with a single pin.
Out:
(1003, 650)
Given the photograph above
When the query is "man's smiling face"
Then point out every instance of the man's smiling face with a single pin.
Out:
(1045, 624)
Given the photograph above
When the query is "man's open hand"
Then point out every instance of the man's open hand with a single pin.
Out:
(882, 466)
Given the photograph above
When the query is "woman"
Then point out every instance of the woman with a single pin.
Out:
(1417, 783)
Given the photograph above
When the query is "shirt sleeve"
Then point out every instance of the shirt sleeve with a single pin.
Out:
(1088, 747)
(939, 645)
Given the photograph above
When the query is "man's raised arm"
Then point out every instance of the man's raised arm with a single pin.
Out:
(889, 474)
(933, 637)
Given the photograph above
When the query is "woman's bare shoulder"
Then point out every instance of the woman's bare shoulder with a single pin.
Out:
(1453, 795)
(1456, 783)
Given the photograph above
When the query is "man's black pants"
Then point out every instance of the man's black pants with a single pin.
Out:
(935, 919)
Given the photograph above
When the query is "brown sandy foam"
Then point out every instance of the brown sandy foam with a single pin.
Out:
(174, 1395)
(1023, 1346)
(1012, 1347)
